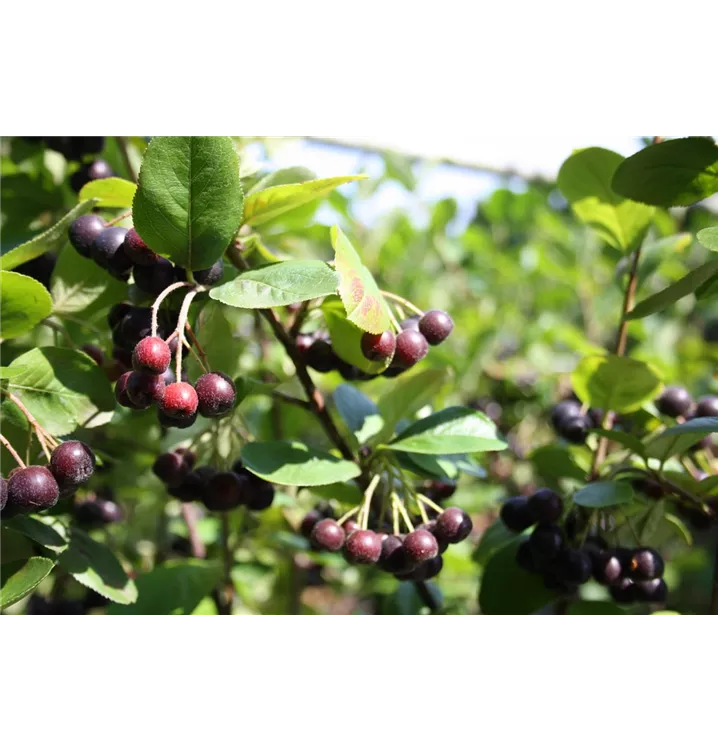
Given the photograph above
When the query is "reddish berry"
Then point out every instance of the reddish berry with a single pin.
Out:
(121, 391)
(350, 525)
(362, 547)
(179, 400)
(72, 463)
(32, 489)
(224, 491)
(421, 545)
(151, 355)
(378, 346)
(144, 389)
(216, 394)
(137, 250)
(453, 525)
(411, 347)
(171, 468)
(327, 534)
(436, 325)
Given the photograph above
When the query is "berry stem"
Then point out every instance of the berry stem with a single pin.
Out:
(190, 519)
(12, 451)
(423, 499)
(55, 326)
(349, 515)
(367, 500)
(122, 145)
(181, 322)
(40, 433)
(402, 510)
(422, 510)
(156, 304)
(314, 396)
(197, 346)
(404, 302)
(395, 515)
(119, 218)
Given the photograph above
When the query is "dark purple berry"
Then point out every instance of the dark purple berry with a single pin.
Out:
(96, 513)
(707, 407)
(151, 355)
(623, 591)
(178, 400)
(378, 346)
(453, 525)
(155, 278)
(575, 430)
(411, 347)
(181, 423)
(210, 276)
(96, 170)
(654, 591)
(216, 394)
(515, 514)
(546, 541)
(32, 489)
(259, 494)
(439, 489)
(107, 250)
(3, 492)
(410, 324)
(121, 395)
(645, 564)
(137, 251)
(545, 506)
(327, 534)
(362, 547)
(144, 389)
(525, 557)
(225, 491)
(171, 468)
(321, 357)
(435, 326)
(84, 231)
(72, 463)
(674, 401)
(117, 313)
(607, 567)
(421, 545)
(565, 411)
(574, 567)
(194, 484)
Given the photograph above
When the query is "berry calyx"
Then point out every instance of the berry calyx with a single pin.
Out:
(435, 326)
(224, 491)
(545, 506)
(421, 545)
(210, 276)
(72, 463)
(32, 489)
(84, 231)
(707, 407)
(179, 400)
(378, 346)
(362, 547)
(453, 525)
(144, 389)
(515, 514)
(411, 347)
(674, 401)
(216, 394)
(137, 250)
(645, 564)
(151, 355)
(327, 534)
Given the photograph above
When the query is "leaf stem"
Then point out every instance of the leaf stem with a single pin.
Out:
(12, 451)
(119, 218)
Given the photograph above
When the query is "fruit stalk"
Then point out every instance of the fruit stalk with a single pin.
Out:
(12, 451)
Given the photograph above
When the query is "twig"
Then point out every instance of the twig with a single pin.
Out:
(55, 326)
(12, 451)
(301, 403)
(119, 218)
(41, 434)
(198, 548)
(197, 345)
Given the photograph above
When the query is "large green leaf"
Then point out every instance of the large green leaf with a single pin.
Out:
(293, 463)
(94, 565)
(495, 538)
(346, 337)
(585, 179)
(24, 302)
(20, 577)
(556, 462)
(278, 284)
(683, 287)
(457, 429)
(678, 439)
(188, 203)
(61, 387)
(284, 176)
(507, 589)
(594, 608)
(359, 412)
(49, 240)
(672, 173)
(111, 192)
(603, 494)
(409, 394)
(77, 282)
(620, 384)
(360, 294)
(173, 588)
(708, 237)
(264, 205)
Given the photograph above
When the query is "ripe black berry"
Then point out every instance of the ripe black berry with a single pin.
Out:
(394, 557)
(96, 170)
(411, 347)
(303, 341)
(96, 513)
(210, 276)
(623, 591)
(546, 541)
(674, 401)
(545, 506)
(171, 468)
(181, 423)
(435, 326)
(453, 525)
(421, 545)
(259, 494)
(144, 389)
(707, 407)
(135, 325)
(565, 411)
(117, 314)
(654, 591)
(121, 391)
(645, 564)
(378, 346)
(515, 514)
(327, 534)
(321, 356)
(410, 324)
(362, 547)
(83, 233)
(216, 394)
(151, 355)
(193, 485)
(32, 489)
(574, 567)
(137, 251)
(224, 491)
(72, 463)
(431, 528)
(154, 278)
(575, 430)
(309, 522)
(607, 567)
(178, 400)
(108, 253)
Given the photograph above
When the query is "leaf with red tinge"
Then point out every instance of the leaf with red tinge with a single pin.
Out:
(360, 294)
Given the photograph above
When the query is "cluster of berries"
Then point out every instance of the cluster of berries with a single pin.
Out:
(35, 488)
(676, 402)
(95, 511)
(415, 556)
(219, 491)
(572, 421)
(631, 574)
(82, 149)
(403, 350)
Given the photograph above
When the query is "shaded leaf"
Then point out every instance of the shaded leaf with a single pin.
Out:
(77, 282)
(24, 302)
(678, 439)
(594, 608)
(48, 532)
(622, 438)
(495, 538)
(359, 412)
(111, 192)
(285, 176)
(20, 577)
(556, 462)
(603, 494)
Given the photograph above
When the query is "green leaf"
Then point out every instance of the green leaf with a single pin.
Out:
(495, 538)
(188, 204)
(7, 373)
(673, 173)
(585, 179)
(264, 205)
(682, 288)
(77, 282)
(293, 463)
(94, 565)
(652, 522)
(346, 337)
(556, 462)
(680, 528)
(409, 394)
(250, 387)
(13, 546)
(48, 532)
(24, 302)
(709, 238)
(603, 494)
(615, 383)
(20, 577)
(278, 284)
(173, 588)
(457, 429)
(594, 608)
(622, 438)
(360, 294)
(507, 589)
(111, 192)
(359, 412)
(678, 439)
(61, 388)
(285, 176)
(48, 241)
